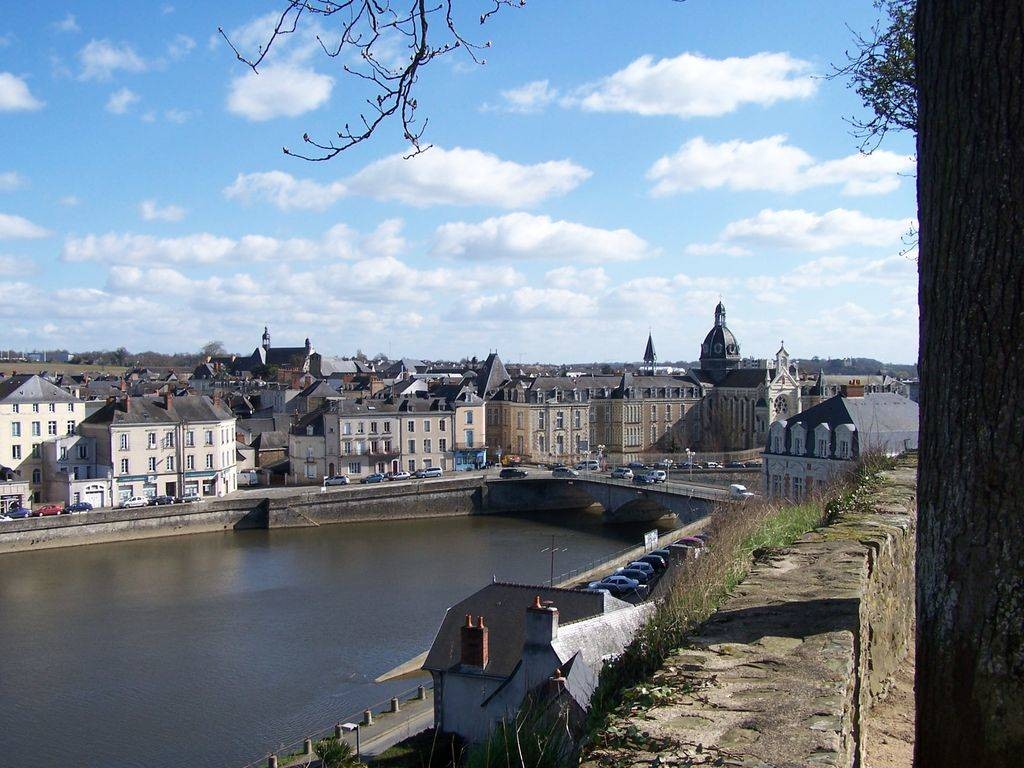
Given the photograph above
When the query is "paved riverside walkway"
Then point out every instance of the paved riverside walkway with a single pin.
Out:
(388, 728)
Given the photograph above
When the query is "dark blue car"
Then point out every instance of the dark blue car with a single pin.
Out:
(19, 513)
(78, 506)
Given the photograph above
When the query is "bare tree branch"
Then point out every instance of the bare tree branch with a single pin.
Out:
(365, 29)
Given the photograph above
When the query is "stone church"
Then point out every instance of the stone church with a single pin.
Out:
(743, 397)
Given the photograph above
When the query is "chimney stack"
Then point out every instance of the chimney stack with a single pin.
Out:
(474, 647)
(541, 623)
(168, 399)
(854, 388)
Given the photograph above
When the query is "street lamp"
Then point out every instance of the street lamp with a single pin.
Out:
(689, 462)
(350, 727)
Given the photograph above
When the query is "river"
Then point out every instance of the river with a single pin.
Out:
(212, 649)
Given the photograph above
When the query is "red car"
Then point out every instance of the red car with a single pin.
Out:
(47, 509)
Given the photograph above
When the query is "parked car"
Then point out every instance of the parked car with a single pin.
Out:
(135, 501)
(641, 565)
(635, 465)
(77, 506)
(734, 465)
(376, 477)
(702, 536)
(159, 501)
(657, 562)
(622, 473)
(428, 472)
(737, 491)
(754, 464)
(399, 475)
(19, 513)
(589, 465)
(47, 510)
(4, 518)
(635, 573)
(511, 472)
(659, 475)
(692, 541)
(564, 472)
(336, 480)
(189, 499)
(662, 553)
(618, 585)
(665, 464)
(598, 586)
(689, 465)
(643, 479)
(712, 465)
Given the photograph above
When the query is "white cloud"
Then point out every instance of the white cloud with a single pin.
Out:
(179, 116)
(436, 177)
(100, 59)
(533, 303)
(282, 90)
(526, 99)
(67, 24)
(15, 95)
(518, 236)
(339, 242)
(19, 228)
(10, 181)
(466, 177)
(121, 100)
(570, 277)
(692, 85)
(773, 165)
(804, 231)
(284, 191)
(69, 201)
(150, 211)
(12, 265)
(180, 47)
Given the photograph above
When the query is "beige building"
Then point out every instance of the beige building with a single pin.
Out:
(165, 445)
(32, 411)
(345, 438)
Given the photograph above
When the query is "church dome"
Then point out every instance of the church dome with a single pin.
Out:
(720, 344)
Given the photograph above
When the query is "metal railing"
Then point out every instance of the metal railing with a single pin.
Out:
(285, 750)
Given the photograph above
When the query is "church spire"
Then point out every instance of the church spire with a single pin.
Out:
(650, 357)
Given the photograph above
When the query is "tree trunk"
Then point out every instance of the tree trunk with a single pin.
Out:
(970, 567)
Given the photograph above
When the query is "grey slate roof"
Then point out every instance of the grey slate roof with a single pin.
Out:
(30, 388)
(145, 410)
(503, 607)
(884, 421)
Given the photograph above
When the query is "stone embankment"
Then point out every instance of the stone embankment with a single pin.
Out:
(793, 664)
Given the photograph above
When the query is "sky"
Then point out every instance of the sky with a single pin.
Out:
(612, 168)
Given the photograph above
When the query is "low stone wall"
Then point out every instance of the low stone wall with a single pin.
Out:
(785, 671)
(436, 498)
(124, 524)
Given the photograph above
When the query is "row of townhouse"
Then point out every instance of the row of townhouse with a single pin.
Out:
(57, 448)
(570, 418)
(358, 437)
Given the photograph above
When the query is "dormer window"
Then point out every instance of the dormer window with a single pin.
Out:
(309, 430)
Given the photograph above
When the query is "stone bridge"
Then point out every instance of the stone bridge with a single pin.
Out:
(623, 502)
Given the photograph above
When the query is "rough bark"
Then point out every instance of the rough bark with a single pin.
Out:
(970, 566)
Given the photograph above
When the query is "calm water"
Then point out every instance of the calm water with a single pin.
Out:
(209, 650)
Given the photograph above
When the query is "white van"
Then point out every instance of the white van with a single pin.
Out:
(589, 465)
(737, 491)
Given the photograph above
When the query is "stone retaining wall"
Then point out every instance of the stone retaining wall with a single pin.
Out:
(784, 672)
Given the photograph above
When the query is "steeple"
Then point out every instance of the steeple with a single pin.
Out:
(266, 338)
(650, 358)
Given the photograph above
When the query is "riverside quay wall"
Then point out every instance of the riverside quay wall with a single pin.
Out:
(301, 506)
(791, 667)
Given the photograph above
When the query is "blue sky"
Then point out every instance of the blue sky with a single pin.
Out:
(603, 173)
